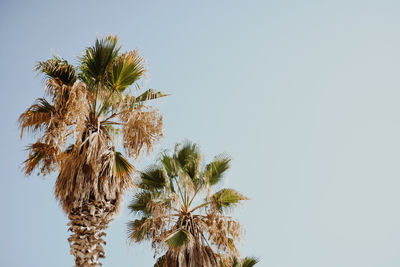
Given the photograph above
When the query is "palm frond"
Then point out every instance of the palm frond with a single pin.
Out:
(186, 153)
(57, 68)
(189, 159)
(35, 117)
(169, 165)
(149, 95)
(139, 203)
(122, 167)
(142, 129)
(215, 169)
(126, 70)
(236, 262)
(41, 156)
(153, 178)
(179, 238)
(250, 261)
(98, 59)
(226, 198)
(139, 230)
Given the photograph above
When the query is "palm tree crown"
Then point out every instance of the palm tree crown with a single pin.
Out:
(182, 215)
(89, 109)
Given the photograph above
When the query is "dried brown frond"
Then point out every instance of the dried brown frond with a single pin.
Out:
(89, 171)
(224, 232)
(77, 106)
(36, 117)
(143, 128)
(41, 156)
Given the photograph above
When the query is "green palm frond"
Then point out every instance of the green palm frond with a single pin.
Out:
(126, 70)
(139, 203)
(57, 68)
(250, 261)
(179, 238)
(139, 230)
(122, 168)
(226, 198)
(170, 168)
(186, 153)
(169, 165)
(215, 170)
(150, 95)
(188, 158)
(35, 116)
(98, 59)
(153, 178)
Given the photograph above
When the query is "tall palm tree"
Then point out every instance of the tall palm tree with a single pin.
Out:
(181, 214)
(91, 109)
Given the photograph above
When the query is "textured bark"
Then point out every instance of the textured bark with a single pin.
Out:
(88, 224)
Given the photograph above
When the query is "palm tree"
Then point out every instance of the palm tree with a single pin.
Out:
(180, 214)
(89, 108)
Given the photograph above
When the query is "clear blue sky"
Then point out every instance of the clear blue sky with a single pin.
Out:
(303, 94)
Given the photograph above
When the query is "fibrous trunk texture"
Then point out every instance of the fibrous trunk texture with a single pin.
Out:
(88, 224)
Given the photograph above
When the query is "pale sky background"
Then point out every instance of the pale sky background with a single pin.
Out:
(304, 95)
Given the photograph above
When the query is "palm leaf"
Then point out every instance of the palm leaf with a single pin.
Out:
(126, 70)
(122, 168)
(98, 59)
(226, 198)
(57, 68)
(250, 261)
(139, 230)
(188, 158)
(153, 178)
(41, 156)
(149, 95)
(139, 203)
(236, 262)
(35, 116)
(178, 239)
(215, 170)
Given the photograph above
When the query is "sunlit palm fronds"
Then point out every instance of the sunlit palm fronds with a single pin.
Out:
(126, 70)
(97, 61)
(179, 216)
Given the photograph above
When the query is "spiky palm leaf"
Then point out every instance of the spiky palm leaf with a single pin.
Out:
(87, 112)
(249, 261)
(178, 213)
(97, 62)
(226, 198)
(36, 116)
(126, 70)
(58, 68)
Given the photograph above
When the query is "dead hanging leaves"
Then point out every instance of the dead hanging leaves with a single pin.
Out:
(143, 127)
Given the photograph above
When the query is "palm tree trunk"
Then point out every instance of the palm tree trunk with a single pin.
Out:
(88, 224)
